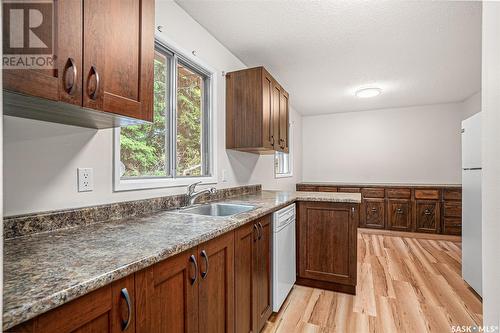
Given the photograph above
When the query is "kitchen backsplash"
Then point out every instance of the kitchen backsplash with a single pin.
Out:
(24, 225)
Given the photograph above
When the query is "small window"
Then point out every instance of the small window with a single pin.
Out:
(282, 161)
(178, 145)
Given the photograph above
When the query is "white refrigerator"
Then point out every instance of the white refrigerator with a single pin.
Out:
(471, 202)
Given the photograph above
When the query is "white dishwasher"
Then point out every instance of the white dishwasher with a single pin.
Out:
(284, 273)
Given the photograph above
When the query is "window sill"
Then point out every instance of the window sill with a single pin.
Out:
(283, 175)
(154, 183)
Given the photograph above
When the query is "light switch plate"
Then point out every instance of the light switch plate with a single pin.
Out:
(85, 179)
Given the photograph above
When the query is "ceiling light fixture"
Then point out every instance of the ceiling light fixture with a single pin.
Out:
(368, 92)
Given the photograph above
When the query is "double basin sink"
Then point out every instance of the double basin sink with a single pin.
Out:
(217, 209)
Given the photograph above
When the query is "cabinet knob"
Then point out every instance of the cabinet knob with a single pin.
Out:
(399, 211)
(427, 212)
(374, 209)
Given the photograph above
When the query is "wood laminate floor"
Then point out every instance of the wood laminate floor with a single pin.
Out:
(406, 283)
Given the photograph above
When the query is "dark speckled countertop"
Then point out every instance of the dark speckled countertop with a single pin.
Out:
(46, 270)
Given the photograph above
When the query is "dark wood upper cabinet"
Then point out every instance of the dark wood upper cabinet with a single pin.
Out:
(118, 57)
(257, 112)
(327, 245)
(253, 275)
(60, 83)
(103, 75)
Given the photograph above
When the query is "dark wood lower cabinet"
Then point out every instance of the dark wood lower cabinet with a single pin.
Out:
(427, 216)
(216, 286)
(373, 213)
(399, 214)
(253, 275)
(327, 245)
(415, 208)
(264, 278)
(167, 295)
(203, 289)
(101, 311)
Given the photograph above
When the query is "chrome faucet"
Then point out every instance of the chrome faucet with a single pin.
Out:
(192, 195)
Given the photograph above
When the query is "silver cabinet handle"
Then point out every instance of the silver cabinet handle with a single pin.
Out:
(126, 296)
(204, 255)
(70, 89)
(95, 93)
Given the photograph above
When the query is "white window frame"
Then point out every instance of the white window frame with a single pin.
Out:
(290, 156)
(139, 183)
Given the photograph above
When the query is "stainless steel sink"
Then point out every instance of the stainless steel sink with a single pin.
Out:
(217, 209)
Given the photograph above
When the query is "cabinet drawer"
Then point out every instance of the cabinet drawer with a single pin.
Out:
(452, 194)
(399, 193)
(327, 189)
(307, 188)
(349, 189)
(427, 194)
(373, 192)
(452, 226)
(452, 209)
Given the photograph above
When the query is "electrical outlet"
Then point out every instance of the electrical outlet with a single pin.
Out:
(85, 179)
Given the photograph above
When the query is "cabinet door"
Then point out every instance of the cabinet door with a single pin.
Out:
(245, 284)
(118, 57)
(427, 216)
(327, 242)
(373, 213)
(109, 309)
(59, 83)
(283, 121)
(216, 288)
(263, 272)
(276, 98)
(267, 110)
(399, 214)
(167, 295)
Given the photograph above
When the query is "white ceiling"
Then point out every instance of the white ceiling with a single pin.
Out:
(418, 52)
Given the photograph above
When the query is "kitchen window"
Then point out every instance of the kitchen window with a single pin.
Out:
(283, 161)
(178, 147)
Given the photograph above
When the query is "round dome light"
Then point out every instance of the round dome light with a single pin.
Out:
(368, 92)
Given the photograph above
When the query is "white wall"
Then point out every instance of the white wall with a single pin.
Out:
(412, 145)
(41, 158)
(491, 162)
(471, 105)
